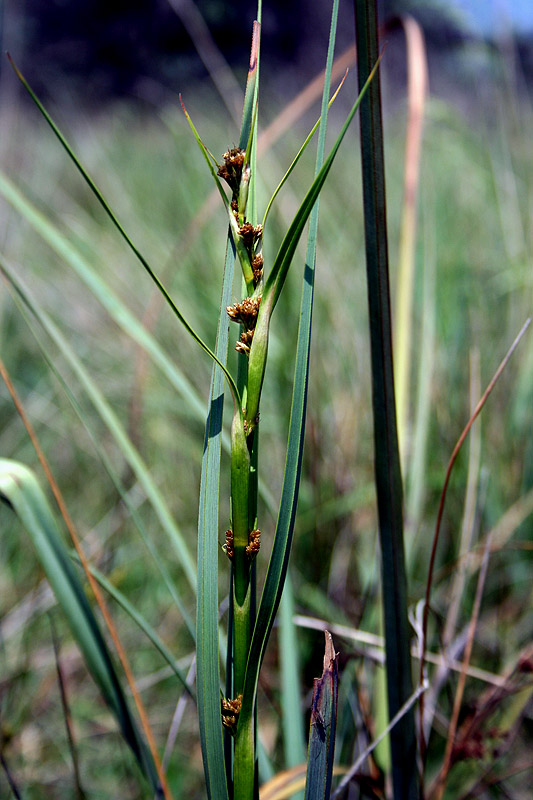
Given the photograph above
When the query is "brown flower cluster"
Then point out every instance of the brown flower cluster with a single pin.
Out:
(231, 169)
(254, 544)
(245, 313)
(228, 545)
(230, 711)
(250, 234)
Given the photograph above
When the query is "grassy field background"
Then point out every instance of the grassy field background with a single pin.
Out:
(474, 290)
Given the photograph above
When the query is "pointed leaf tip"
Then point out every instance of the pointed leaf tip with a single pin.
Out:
(329, 652)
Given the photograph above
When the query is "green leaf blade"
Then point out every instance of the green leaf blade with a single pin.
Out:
(387, 460)
(207, 658)
(20, 489)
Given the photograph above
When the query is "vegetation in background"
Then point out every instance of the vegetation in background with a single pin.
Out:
(473, 291)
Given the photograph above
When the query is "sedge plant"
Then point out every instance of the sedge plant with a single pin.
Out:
(229, 657)
(227, 717)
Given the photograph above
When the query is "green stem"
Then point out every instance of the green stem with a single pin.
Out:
(244, 777)
(242, 637)
(387, 460)
(240, 493)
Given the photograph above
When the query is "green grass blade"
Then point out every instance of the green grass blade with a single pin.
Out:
(249, 113)
(291, 706)
(387, 461)
(132, 511)
(323, 726)
(278, 274)
(107, 208)
(242, 252)
(113, 424)
(20, 489)
(207, 660)
(208, 158)
(277, 567)
(418, 467)
(251, 89)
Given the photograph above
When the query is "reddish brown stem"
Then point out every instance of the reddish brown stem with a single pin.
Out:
(451, 463)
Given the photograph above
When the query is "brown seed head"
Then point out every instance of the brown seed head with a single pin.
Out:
(231, 169)
(250, 234)
(257, 267)
(254, 543)
(230, 711)
(243, 345)
(228, 545)
(245, 312)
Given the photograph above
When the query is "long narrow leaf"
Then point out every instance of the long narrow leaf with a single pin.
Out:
(242, 252)
(291, 707)
(20, 489)
(207, 660)
(110, 213)
(387, 459)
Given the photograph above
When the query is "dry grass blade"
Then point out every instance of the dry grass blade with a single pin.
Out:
(451, 463)
(465, 546)
(80, 794)
(91, 580)
(285, 784)
(417, 89)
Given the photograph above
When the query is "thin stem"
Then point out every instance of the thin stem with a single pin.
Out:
(440, 513)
